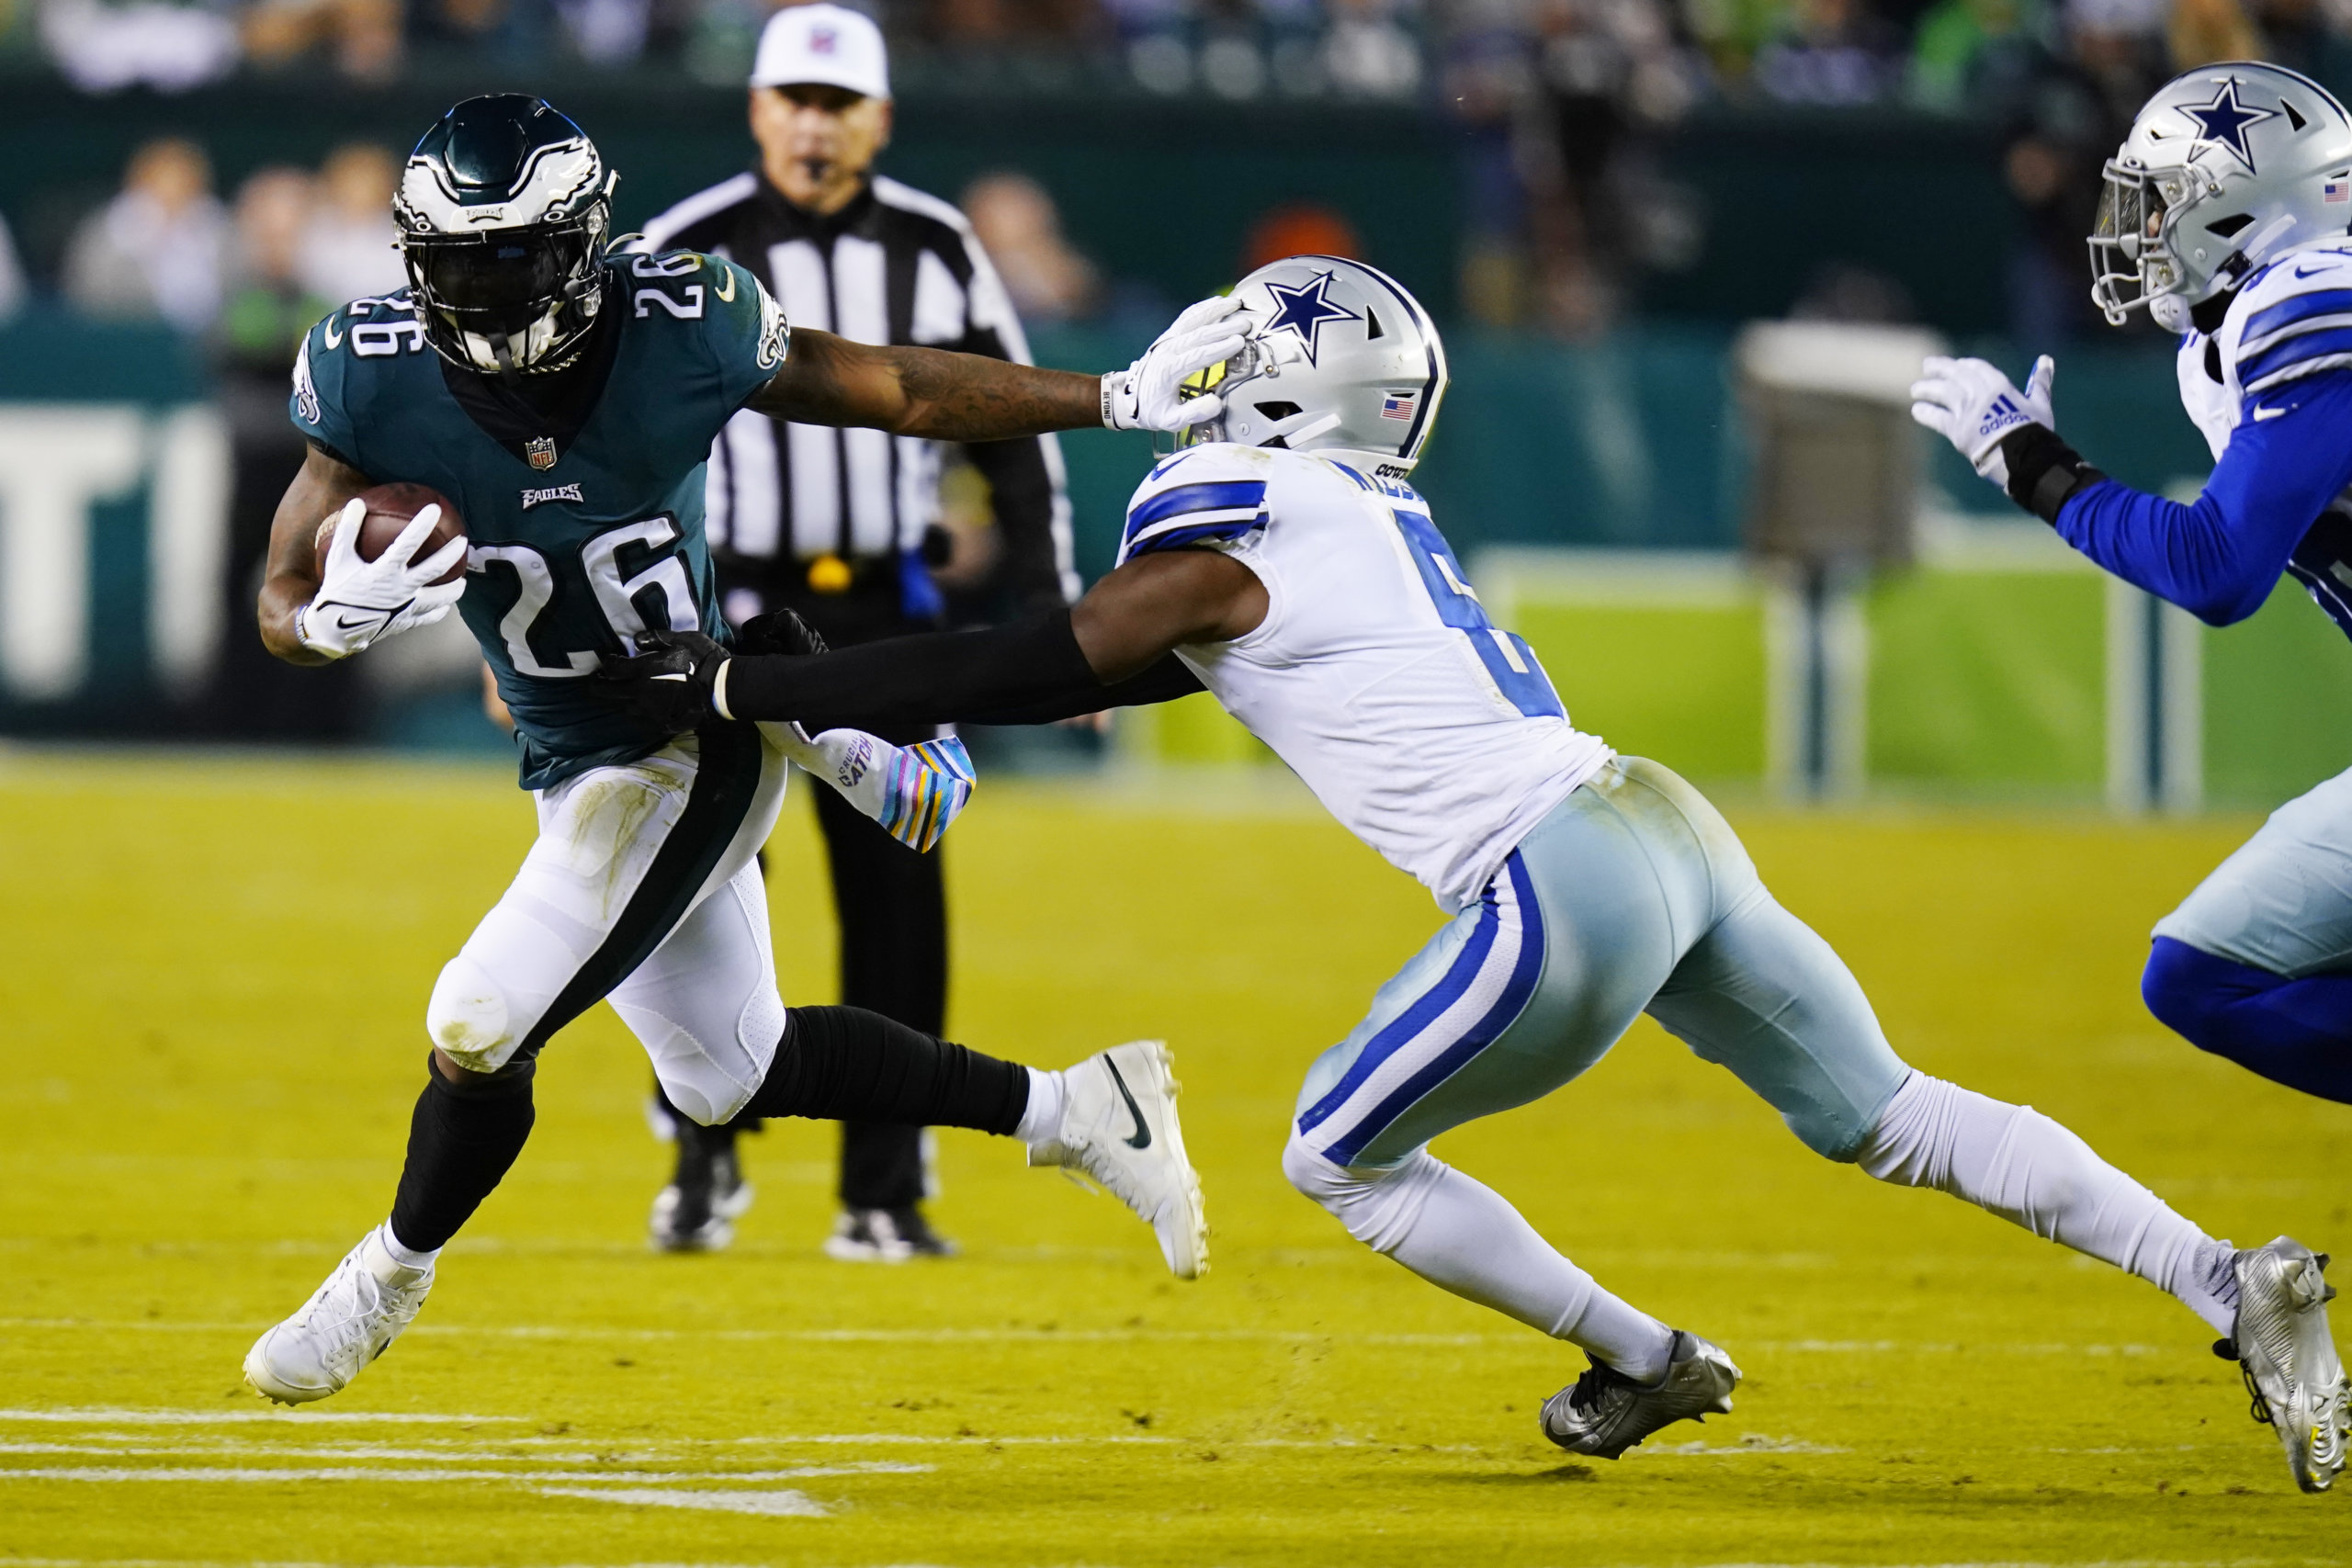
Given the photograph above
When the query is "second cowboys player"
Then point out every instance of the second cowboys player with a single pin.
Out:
(564, 399)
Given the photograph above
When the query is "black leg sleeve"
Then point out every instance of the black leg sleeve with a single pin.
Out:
(461, 1141)
(848, 1065)
(891, 904)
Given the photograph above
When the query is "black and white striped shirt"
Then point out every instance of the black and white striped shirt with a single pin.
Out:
(894, 267)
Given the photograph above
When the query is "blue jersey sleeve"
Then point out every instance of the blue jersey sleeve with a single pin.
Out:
(1204, 495)
(2220, 557)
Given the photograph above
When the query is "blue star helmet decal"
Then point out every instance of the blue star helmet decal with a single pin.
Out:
(2223, 123)
(1302, 311)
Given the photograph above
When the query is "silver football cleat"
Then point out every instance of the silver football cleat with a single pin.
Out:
(1604, 1411)
(2281, 1344)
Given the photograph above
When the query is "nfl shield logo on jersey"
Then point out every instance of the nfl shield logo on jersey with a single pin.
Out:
(540, 449)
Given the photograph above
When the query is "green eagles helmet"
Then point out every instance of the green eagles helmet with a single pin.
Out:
(503, 211)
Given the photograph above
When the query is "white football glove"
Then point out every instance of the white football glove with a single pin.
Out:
(1972, 405)
(1143, 395)
(914, 792)
(363, 602)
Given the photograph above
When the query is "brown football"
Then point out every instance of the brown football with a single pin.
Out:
(390, 508)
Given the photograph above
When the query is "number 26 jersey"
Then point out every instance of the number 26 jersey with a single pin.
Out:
(1430, 731)
(585, 524)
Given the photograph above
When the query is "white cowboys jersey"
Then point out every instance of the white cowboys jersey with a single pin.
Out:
(2291, 320)
(1430, 732)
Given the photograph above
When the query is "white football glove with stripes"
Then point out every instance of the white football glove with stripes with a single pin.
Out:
(1974, 406)
(914, 792)
(363, 602)
(1145, 395)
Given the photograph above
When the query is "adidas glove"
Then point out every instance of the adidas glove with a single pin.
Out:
(2007, 435)
(1974, 406)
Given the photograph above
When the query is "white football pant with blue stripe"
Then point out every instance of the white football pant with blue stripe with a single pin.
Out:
(1634, 896)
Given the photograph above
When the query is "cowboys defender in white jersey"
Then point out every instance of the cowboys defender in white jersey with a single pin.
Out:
(1287, 567)
(2226, 216)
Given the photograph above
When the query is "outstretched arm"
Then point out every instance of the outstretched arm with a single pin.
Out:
(2219, 557)
(931, 392)
(290, 577)
(1112, 650)
(926, 391)
(1124, 627)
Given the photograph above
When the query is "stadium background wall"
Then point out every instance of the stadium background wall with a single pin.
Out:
(1775, 190)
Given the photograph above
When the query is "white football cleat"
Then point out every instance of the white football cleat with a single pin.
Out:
(346, 1325)
(2281, 1344)
(1119, 1128)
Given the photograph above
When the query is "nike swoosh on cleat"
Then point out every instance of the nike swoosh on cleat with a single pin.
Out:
(1142, 1140)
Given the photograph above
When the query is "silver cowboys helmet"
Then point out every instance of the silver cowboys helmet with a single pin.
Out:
(1339, 358)
(502, 212)
(2227, 167)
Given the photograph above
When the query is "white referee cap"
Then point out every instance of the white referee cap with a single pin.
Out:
(831, 45)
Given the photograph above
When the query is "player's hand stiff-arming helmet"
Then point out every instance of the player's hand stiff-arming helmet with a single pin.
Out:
(503, 211)
(1340, 358)
(2227, 167)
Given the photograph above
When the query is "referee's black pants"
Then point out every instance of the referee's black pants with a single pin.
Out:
(892, 906)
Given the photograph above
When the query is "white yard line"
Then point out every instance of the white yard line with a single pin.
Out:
(266, 1475)
(92, 1415)
(776, 1505)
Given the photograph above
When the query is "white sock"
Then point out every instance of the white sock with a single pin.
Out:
(2018, 1164)
(1041, 1119)
(1462, 1236)
(388, 1256)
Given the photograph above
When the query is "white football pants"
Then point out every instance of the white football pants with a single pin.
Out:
(643, 888)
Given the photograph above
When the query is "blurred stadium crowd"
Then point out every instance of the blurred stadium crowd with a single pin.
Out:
(1560, 107)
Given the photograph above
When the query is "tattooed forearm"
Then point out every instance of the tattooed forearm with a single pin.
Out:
(964, 396)
(925, 392)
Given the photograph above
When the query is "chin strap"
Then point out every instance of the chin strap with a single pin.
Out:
(502, 349)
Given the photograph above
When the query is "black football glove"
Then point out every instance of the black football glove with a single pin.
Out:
(668, 685)
(778, 631)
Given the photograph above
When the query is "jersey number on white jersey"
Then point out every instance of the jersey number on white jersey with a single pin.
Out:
(1506, 657)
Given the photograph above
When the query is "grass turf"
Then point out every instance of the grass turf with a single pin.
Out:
(215, 978)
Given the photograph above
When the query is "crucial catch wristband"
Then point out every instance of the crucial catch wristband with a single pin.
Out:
(2044, 473)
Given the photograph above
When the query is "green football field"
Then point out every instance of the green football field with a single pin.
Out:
(215, 976)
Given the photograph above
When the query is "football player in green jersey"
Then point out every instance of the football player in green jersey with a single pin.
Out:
(564, 397)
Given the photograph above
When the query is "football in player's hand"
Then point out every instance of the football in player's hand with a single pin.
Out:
(390, 508)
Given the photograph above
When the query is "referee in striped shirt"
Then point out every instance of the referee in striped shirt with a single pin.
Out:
(835, 524)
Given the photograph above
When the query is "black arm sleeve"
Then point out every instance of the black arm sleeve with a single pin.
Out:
(1163, 683)
(933, 678)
